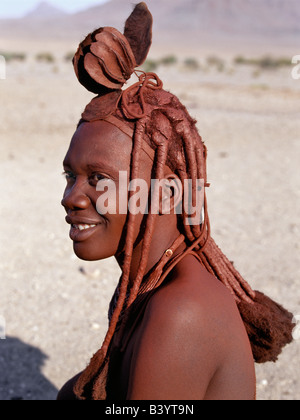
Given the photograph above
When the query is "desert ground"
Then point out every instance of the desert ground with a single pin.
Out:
(53, 307)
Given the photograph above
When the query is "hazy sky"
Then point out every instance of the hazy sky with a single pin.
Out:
(17, 8)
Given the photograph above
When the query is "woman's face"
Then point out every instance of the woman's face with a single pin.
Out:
(98, 152)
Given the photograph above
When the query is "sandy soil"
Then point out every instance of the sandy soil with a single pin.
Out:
(55, 305)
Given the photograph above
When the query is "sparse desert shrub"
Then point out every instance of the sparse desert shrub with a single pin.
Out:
(265, 63)
(69, 56)
(217, 62)
(45, 57)
(268, 62)
(150, 65)
(192, 64)
(256, 73)
(169, 60)
(240, 60)
(13, 56)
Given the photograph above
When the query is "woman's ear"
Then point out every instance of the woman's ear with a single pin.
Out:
(138, 31)
(170, 195)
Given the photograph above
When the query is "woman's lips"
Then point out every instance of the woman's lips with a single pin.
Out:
(82, 232)
(82, 227)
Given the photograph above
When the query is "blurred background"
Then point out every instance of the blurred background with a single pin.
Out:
(230, 63)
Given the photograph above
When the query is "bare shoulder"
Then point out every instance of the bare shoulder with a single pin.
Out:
(196, 298)
(191, 333)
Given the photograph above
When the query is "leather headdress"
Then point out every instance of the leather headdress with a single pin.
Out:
(105, 61)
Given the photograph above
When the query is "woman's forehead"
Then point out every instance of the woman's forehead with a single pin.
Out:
(101, 134)
(100, 141)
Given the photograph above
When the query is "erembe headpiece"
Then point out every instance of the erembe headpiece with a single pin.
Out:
(159, 124)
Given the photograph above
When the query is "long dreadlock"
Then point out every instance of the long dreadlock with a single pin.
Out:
(159, 119)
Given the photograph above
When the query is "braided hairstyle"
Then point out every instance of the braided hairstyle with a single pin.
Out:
(103, 63)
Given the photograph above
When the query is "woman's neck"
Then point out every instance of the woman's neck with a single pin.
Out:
(165, 234)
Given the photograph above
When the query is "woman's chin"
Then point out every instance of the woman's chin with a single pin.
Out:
(84, 252)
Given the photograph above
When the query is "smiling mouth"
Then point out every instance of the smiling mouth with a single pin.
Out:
(82, 231)
(83, 227)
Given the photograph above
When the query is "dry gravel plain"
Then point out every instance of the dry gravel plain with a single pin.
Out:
(55, 305)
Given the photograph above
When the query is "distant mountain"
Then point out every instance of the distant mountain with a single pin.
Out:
(176, 22)
(45, 10)
(227, 16)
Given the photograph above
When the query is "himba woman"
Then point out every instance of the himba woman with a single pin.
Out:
(183, 323)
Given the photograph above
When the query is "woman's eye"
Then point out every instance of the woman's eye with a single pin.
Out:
(69, 175)
(95, 178)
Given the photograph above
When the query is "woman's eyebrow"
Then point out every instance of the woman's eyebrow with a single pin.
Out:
(66, 164)
(95, 166)
(99, 166)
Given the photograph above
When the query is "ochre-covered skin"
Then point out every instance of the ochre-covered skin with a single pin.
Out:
(182, 315)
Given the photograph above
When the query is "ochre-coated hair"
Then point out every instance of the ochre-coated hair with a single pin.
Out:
(158, 118)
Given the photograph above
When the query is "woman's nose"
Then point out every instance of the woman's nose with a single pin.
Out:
(75, 198)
